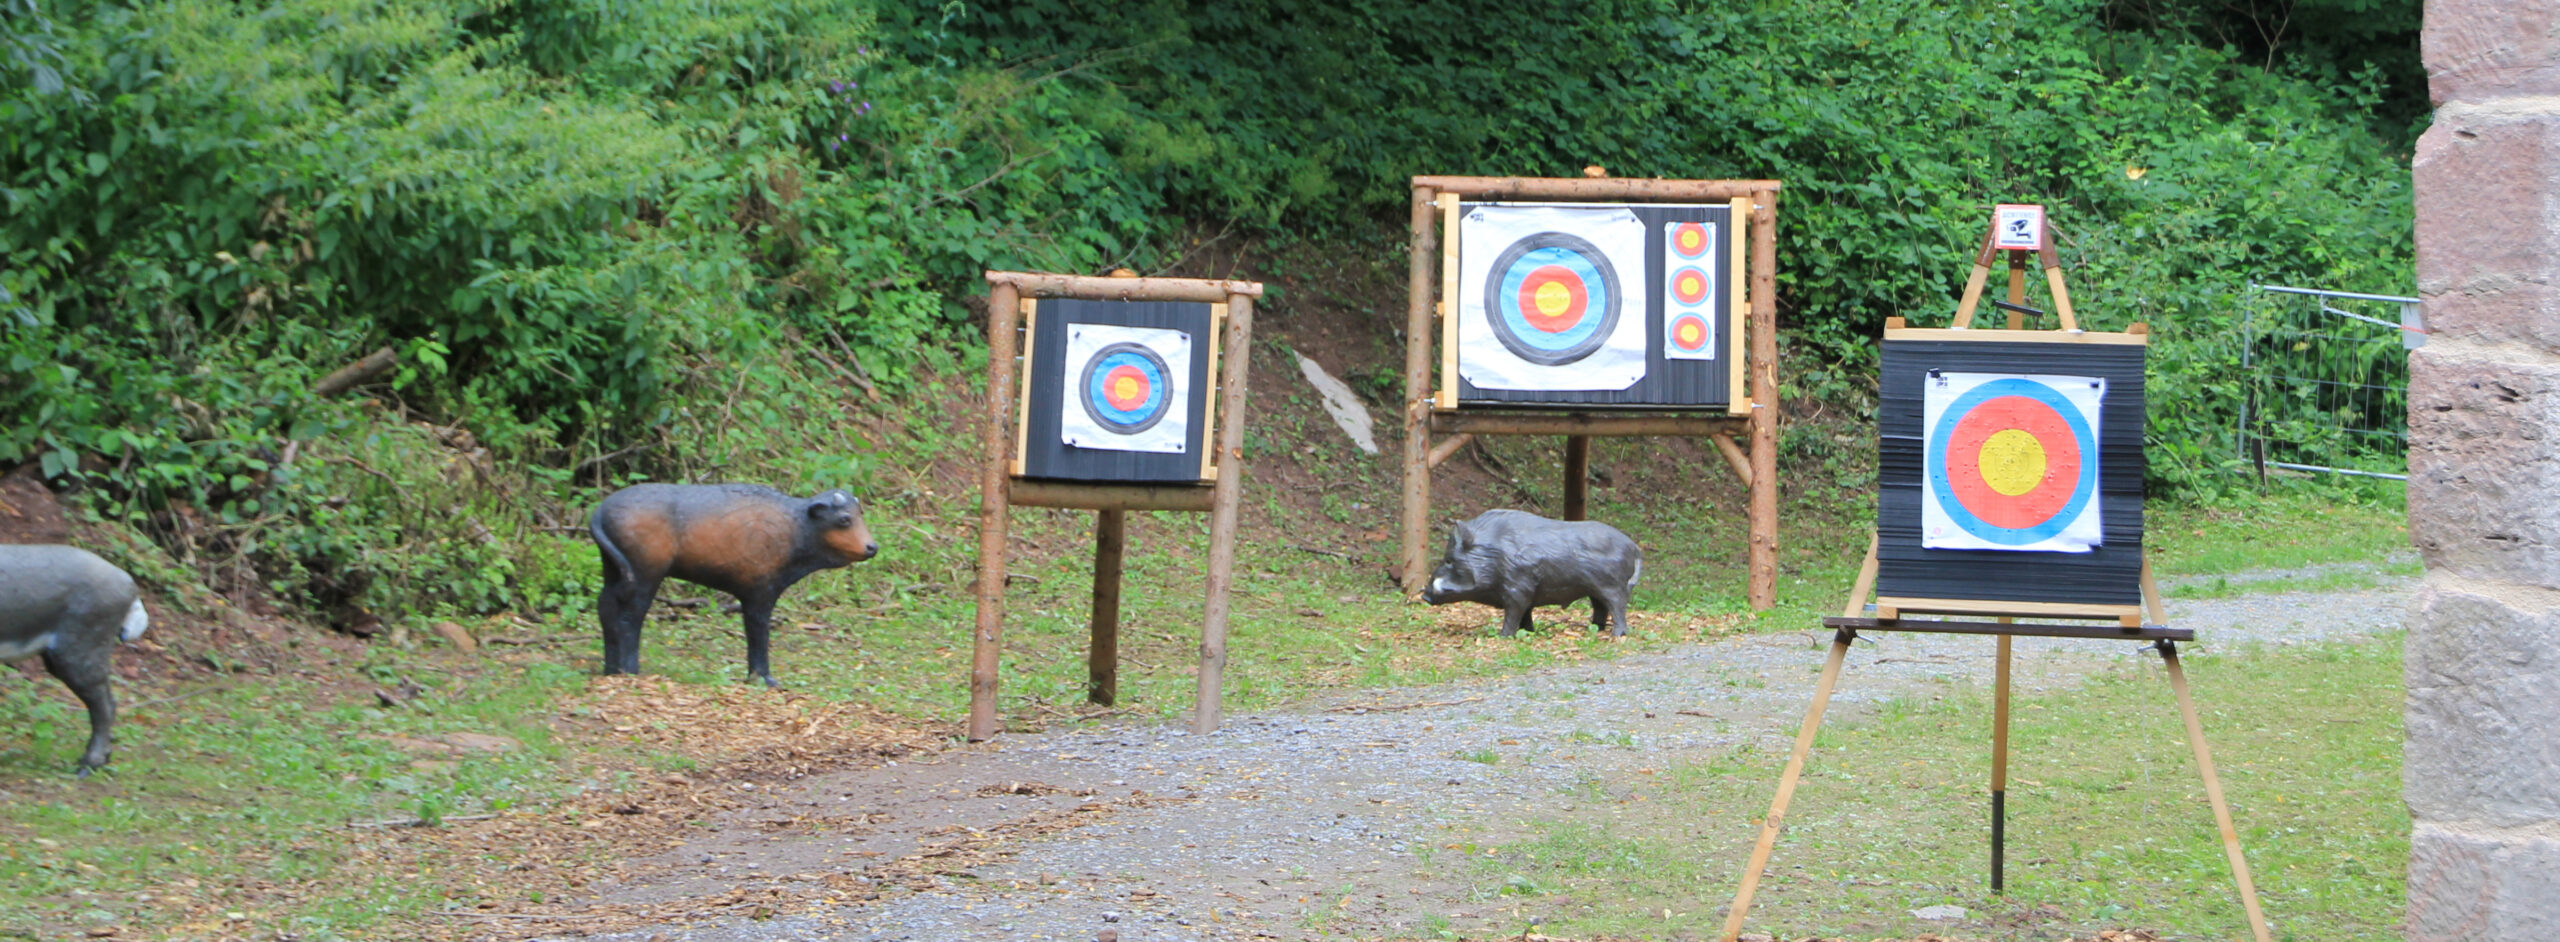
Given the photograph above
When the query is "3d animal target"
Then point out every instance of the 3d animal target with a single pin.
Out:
(1117, 391)
(1587, 305)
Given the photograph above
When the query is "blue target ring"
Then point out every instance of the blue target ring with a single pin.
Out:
(1942, 487)
(1109, 398)
(1552, 298)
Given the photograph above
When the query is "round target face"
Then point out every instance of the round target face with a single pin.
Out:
(2012, 462)
(1689, 240)
(1689, 285)
(1552, 298)
(1127, 388)
(1689, 333)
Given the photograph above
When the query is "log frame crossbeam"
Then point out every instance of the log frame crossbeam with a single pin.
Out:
(1755, 420)
(1000, 490)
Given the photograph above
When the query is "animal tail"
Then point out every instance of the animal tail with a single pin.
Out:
(1638, 574)
(136, 621)
(613, 558)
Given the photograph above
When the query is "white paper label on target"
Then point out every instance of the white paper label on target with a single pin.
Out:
(1125, 389)
(1689, 291)
(2017, 226)
(1551, 298)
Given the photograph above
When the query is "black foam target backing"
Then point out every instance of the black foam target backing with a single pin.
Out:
(1044, 452)
(2109, 574)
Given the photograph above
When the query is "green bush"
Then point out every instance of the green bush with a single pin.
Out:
(628, 239)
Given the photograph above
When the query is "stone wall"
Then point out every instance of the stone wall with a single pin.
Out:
(2483, 712)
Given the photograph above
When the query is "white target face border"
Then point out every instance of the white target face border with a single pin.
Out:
(1170, 434)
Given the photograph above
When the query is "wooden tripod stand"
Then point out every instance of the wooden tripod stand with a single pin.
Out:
(2130, 625)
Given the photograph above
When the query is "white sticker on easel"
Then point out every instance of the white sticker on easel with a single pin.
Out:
(2017, 226)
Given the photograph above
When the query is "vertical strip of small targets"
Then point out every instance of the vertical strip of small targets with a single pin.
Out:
(2011, 461)
(1689, 291)
(1125, 390)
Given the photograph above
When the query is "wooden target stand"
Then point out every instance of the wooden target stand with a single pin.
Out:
(1009, 295)
(2130, 625)
(1753, 410)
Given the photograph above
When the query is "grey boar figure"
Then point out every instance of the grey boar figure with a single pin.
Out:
(69, 606)
(749, 541)
(1516, 561)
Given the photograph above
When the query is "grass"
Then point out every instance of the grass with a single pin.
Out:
(2107, 822)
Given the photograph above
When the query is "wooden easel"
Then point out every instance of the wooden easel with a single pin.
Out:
(1887, 617)
(1001, 488)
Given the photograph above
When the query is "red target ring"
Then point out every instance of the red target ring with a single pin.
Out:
(1125, 387)
(1991, 489)
(1689, 240)
(1689, 285)
(1553, 298)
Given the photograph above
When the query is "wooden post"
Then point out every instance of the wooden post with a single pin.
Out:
(2213, 793)
(1973, 283)
(1733, 456)
(1577, 476)
(1222, 511)
(2017, 289)
(1102, 662)
(2000, 764)
(1787, 784)
(1417, 391)
(1764, 399)
(1003, 312)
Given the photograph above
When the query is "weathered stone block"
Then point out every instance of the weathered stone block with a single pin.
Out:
(2476, 50)
(2484, 464)
(2488, 887)
(2483, 709)
(2487, 186)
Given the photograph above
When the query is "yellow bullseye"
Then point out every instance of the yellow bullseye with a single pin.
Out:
(1125, 389)
(1689, 285)
(1553, 298)
(2012, 462)
(1689, 333)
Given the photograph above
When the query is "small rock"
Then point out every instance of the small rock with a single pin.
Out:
(454, 635)
(1110, 917)
(1107, 935)
(1940, 911)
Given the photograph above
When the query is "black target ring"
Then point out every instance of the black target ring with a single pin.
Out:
(1606, 283)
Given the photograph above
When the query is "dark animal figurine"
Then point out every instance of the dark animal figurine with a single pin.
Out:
(71, 607)
(749, 541)
(1516, 561)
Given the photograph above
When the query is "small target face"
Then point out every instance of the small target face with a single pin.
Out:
(1126, 388)
(1689, 240)
(1552, 298)
(2012, 462)
(1689, 333)
(1689, 285)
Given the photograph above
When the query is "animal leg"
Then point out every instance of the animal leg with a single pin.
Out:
(634, 613)
(1514, 618)
(759, 615)
(87, 675)
(1617, 606)
(609, 603)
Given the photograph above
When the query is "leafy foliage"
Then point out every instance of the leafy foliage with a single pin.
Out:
(599, 233)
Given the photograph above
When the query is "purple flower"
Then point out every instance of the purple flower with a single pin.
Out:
(831, 145)
(835, 86)
(866, 108)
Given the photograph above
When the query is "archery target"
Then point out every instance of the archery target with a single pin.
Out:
(1124, 388)
(1547, 304)
(1689, 292)
(2010, 461)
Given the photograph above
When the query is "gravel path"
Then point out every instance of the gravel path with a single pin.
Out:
(1256, 830)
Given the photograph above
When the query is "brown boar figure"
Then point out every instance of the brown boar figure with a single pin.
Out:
(1515, 561)
(749, 541)
(71, 607)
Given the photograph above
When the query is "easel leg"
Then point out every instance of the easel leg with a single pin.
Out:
(2213, 793)
(1102, 663)
(1787, 784)
(2000, 767)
